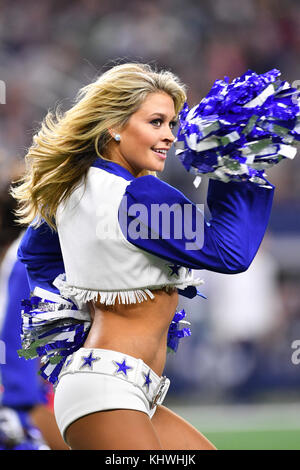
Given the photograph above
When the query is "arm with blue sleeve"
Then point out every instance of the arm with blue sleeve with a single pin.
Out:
(41, 254)
(239, 218)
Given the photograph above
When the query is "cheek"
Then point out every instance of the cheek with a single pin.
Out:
(148, 140)
(138, 140)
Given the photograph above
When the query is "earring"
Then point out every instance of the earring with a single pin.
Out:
(117, 137)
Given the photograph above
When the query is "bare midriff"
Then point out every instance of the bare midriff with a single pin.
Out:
(139, 330)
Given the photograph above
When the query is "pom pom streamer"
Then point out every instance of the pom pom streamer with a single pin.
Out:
(51, 331)
(174, 333)
(240, 128)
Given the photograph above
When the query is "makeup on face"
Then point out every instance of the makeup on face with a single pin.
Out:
(147, 136)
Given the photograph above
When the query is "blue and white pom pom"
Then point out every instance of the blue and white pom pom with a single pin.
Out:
(52, 331)
(174, 333)
(240, 128)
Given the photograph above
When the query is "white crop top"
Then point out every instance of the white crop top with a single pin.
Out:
(98, 259)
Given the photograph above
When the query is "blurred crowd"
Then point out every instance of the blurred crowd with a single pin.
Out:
(50, 49)
(54, 47)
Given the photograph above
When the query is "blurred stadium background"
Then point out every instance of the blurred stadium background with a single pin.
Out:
(234, 378)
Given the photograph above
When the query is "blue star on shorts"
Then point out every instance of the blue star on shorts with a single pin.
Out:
(122, 367)
(88, 360)
(147, 380)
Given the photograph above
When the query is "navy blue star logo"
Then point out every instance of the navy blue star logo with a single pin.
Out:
(174, 269)
(122, 367)
(147, 380)
(88, 361)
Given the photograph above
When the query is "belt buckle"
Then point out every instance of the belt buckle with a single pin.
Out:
(159, 396)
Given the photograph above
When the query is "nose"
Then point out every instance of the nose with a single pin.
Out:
(168, 135)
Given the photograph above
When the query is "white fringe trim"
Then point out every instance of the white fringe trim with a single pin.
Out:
(81, 296)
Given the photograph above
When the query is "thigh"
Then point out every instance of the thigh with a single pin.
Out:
(43, 418)
(175, 433)
(113, 430)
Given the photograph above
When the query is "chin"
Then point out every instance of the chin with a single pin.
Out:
(158, 166)
(153, 165)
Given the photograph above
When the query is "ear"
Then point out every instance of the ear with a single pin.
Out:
(114, 134)
(111, 132)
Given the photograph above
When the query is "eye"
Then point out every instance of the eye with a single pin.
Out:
(157, 122)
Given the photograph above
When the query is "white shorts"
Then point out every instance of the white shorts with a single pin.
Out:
(100, 379)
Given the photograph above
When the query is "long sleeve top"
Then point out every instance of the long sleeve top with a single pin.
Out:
(108, 242)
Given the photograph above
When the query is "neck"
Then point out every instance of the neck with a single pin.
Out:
(115, 156)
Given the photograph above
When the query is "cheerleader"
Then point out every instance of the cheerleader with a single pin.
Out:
(105, 272)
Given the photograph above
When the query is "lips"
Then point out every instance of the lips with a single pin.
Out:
(160, 152)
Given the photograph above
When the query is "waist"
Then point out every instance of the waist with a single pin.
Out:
(143, 337)
(119, 364)
(148, 349)
(139, 330)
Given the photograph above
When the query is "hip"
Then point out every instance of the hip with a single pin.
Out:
(95, 380)
(151, 349)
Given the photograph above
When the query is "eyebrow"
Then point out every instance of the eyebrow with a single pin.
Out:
(163, 116)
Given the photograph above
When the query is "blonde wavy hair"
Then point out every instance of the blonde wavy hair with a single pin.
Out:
(67, 143)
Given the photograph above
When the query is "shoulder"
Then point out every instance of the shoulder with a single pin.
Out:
(152, 189)
(112, 170)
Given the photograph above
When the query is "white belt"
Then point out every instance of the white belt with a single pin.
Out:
(105, 361)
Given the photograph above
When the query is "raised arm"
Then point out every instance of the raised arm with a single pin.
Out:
(239, 218)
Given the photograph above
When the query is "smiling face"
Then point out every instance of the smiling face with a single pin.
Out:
(147, 135)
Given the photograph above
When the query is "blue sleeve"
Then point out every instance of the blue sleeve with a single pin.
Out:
(227, 244)
(22, 386)
(41, 254)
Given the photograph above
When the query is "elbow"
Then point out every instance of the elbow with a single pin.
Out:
(241, 268)
(238, 266)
